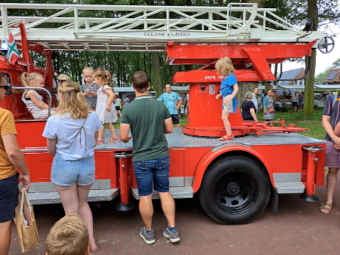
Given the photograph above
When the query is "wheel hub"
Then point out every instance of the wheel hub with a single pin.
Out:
(233, 188)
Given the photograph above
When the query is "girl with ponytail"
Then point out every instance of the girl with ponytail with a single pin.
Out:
(31, 98)
(72, 134)
(106, 109)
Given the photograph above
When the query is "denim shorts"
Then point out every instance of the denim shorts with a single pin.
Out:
(9, 192)
(68, 172)
(156, 170)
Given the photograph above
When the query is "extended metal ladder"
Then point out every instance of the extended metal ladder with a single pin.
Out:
(148, 28)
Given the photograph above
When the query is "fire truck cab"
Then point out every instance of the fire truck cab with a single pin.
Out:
(236, 179)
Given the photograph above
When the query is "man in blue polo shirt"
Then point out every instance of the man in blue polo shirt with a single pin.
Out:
(173, 102)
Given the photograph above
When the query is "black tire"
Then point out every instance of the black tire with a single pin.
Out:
(235, 190)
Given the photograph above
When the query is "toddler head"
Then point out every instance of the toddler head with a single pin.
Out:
(63, 77)
(140, 81)
(102, 77)
(224, 66)
(69, 236)
(32, 80)
(88, 75)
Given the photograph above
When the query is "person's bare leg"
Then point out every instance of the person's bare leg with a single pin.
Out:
(331, 182)
(5, 234)
(85, 212)
(112, 130)
(146, 210)
(69, 199)
(225, 116)
(168, 207)
(101, 134)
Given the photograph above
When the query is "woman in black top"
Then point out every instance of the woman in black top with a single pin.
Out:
(248, 108)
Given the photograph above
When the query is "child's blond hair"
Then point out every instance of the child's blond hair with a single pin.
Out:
(224, 66)
(87, 70)
(73, 102)
(68, 236)
(63, 77)
(104, 75)
(26, 78)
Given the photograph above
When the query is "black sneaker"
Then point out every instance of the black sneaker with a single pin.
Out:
(173, 235)
(147, 237)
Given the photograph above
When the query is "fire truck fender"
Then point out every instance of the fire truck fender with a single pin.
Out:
(218, 151)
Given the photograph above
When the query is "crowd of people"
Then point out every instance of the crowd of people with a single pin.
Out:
(72, 132)
(76, 127)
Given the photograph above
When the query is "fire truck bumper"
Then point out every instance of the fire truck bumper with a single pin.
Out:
(39, 198)
(176, 192)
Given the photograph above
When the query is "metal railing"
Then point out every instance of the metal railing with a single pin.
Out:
(74, 27)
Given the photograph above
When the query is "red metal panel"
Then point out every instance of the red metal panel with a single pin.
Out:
(204, 112)
(209, 157)
(211, 76)
(30, 135)
(192, 157)
(320, 166)
(213, 52)
(176, 162)
(257, 57)
(39, 164)
(282, 158)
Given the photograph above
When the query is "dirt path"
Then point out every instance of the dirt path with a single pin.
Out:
(298, 228)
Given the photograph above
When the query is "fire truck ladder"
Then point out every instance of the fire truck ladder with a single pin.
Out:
(147, 28)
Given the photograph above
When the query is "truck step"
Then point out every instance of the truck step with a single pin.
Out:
(176, 192)
(39, 198)
(290, 187)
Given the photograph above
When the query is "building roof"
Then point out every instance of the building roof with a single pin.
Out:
(329, 86)
(333, 76)
(130, 89)
(124, 89)
(291, 74)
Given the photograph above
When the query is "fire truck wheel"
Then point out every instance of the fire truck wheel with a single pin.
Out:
(235, 190)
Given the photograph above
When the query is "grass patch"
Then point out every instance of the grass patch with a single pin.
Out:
(313, 122)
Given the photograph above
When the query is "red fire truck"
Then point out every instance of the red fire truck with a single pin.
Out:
(235, 179)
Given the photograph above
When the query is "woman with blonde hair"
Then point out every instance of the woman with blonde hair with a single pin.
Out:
(71, 135)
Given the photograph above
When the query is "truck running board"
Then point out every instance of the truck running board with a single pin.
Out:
(290, 187)
(176, 192)
(39, 198)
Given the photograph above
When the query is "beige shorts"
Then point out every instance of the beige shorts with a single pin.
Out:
(227, 107)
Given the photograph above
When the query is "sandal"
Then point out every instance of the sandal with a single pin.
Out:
(226, 138)
(326, 207)
(113, 139)
(100, 141)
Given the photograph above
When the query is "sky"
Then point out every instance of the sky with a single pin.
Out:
(322, 60)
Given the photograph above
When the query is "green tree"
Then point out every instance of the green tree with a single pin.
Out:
(321, 13)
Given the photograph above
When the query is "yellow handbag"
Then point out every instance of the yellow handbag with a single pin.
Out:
(26, 224)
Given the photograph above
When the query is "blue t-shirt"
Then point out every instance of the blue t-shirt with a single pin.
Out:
(227, 88)
(170, 101)
(227, 85)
